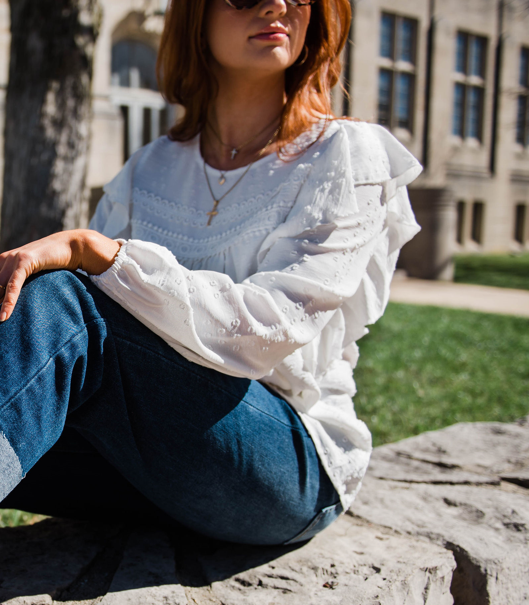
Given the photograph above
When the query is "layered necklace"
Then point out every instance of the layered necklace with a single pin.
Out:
(234, 152)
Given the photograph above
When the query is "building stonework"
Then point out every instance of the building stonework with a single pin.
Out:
(140, 21)
(444, 76)
(487, 174)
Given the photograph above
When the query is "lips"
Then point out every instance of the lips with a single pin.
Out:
(271, 36)
(271, 33)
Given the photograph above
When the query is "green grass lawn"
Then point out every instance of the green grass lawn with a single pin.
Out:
(13, 518)
(501, 270)
(423, 368)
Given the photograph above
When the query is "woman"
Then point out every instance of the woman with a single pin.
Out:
(204, 368)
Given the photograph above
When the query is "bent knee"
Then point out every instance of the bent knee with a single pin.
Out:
(55, 293)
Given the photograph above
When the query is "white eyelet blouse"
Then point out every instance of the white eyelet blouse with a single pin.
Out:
(283, 283)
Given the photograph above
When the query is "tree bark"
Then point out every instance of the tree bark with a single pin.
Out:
(48, 115)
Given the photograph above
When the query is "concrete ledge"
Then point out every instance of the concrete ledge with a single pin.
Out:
(443, 518)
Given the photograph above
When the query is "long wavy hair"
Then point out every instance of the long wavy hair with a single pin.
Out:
(185, 77)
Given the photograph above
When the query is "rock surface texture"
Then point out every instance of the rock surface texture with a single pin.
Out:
(464, 488)
(442, 518)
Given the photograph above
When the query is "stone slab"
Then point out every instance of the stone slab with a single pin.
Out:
(388, 462)
(484, 448)
(486, 526)
(519, 477)
(349, 563)
(43, 599)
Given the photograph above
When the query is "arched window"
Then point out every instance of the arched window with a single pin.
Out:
(133, 65)
(134, 90)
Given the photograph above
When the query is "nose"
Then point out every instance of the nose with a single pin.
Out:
(272, 8)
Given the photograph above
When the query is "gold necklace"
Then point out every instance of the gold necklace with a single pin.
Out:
(235, 150)
(213, 212)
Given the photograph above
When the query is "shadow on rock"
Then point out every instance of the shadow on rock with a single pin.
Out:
(67, 560)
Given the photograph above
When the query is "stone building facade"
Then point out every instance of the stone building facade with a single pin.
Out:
(449, 78)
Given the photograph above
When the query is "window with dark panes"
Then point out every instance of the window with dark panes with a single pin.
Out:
(134, 65)
(403, 100)
(461, 53)
(387, 35)
(396, 76)
(385, 80)
(478, 218)
(477, 56)
(406, 39)
(469, 86)
(460, 226)
(474, 112)
(520, 220)
(522, 110)
(458, 124)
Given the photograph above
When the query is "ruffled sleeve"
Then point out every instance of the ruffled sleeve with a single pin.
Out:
(355, 154)
(307, 267)
(382, 168)
(379, 159)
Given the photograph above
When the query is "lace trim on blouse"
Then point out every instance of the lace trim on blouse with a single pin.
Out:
(244, 220)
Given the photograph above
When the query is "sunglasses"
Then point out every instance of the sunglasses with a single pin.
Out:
(240, 4)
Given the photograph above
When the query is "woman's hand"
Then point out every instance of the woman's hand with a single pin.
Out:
(77, 249)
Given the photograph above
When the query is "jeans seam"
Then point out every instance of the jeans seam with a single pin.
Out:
(319, 516)
(292, 428)
(50, 359)
(310, 526)
(121, 336)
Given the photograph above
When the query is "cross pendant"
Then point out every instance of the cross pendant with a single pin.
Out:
(212, 213)
(234, 152)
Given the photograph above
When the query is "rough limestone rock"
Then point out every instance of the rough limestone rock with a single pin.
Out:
(465, 493)
(351, 562)
(348, 563)
(442, 518)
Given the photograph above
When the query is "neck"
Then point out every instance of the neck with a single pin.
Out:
(241, 110)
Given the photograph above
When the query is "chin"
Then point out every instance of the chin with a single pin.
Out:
(276, 59)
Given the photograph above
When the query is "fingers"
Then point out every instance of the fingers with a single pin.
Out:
(6, 269)
(13, 274)
(52, 252)
(12, 293)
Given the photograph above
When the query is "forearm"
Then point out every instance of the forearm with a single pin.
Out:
(75, 249)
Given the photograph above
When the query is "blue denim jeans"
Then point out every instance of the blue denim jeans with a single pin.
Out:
(103, 415)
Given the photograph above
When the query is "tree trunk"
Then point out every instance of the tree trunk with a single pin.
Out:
(48, 113)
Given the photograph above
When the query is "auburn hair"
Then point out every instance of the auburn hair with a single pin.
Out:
(185, 76)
